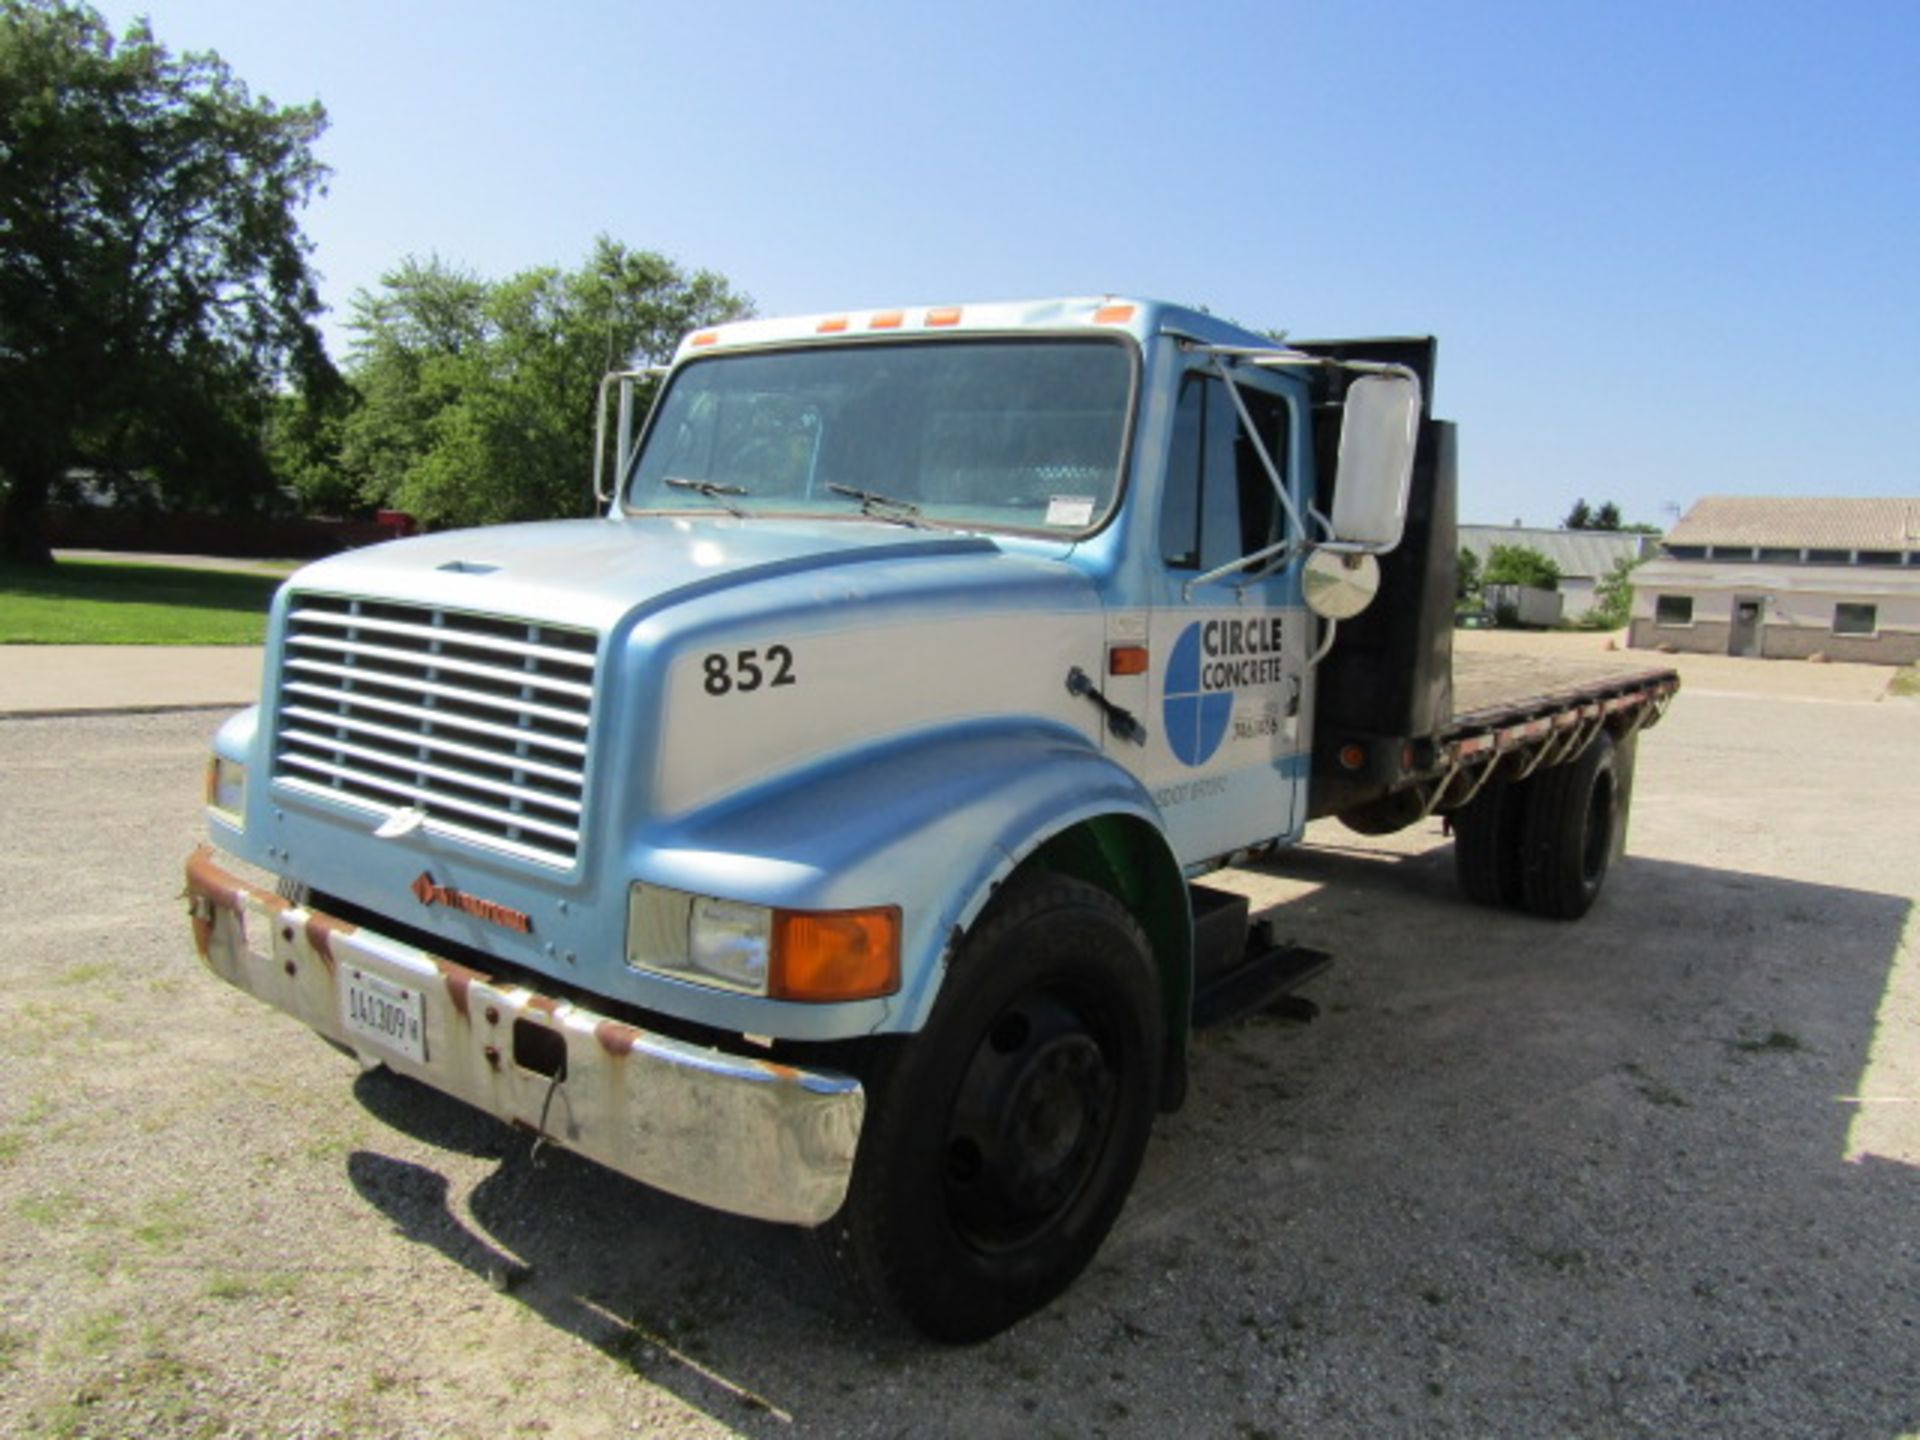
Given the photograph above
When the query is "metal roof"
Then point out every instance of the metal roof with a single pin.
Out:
(1794, 523)
(1702, 575)
(1580, 554)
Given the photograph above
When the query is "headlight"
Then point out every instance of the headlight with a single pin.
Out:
(819, 956)
(731, 943)
(227, 788)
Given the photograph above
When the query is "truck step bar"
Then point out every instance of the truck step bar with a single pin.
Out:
(1238, 969)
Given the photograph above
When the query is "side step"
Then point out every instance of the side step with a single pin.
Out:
(1239, 970)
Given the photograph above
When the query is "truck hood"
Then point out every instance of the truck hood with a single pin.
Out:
(594, 572)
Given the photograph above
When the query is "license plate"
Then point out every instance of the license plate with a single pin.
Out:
(392, 1016)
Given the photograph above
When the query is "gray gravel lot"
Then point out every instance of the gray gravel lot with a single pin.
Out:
(1654, 1174)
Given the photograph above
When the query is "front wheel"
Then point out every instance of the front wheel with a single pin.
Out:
(1002, 1140)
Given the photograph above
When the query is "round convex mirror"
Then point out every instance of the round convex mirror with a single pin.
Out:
(1339, 587)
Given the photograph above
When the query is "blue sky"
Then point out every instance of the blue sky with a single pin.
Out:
(1670, 250)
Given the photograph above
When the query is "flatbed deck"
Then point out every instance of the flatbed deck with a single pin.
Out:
(1489, 687)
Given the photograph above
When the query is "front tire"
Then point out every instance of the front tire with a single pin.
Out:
(1001, 1141)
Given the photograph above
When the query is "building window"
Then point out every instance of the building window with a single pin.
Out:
(1855, 619)
(1687, 552)
(1730, 552)
(1829, 557)
(1779, 557)
(1673, 610)
(1879, 557)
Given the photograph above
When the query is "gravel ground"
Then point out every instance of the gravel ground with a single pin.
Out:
(1654, 1174)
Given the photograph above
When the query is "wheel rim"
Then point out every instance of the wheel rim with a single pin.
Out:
(1029, 1123)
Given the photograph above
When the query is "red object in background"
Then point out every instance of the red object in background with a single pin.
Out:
(398, 522)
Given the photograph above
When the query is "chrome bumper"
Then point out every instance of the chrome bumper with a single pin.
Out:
(743, 1135)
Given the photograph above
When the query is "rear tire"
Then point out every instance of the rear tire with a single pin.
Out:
(1486, 842)
(1567, 841)
(1001, 1141)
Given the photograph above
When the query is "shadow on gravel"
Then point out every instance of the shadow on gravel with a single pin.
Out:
(656, 1283)
(1597, 1178)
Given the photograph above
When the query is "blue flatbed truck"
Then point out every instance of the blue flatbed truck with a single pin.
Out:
(816, 834)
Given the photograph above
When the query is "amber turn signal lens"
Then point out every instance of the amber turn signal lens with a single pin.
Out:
(835, 955)
(1127, 660)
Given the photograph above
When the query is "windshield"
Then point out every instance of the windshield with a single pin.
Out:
(1014, 434)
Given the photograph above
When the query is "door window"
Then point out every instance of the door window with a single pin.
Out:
(1219, 503)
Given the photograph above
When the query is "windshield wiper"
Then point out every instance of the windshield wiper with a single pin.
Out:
(712, 489)
(881, 507)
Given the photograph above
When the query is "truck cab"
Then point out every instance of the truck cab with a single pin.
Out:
(813, 833)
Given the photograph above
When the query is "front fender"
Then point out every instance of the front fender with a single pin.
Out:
(930, 822)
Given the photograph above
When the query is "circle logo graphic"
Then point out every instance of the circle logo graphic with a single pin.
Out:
(1196, 719)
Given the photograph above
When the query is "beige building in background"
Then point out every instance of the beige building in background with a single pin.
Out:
(1786, 578)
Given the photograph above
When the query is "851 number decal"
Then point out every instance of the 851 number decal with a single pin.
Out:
(747, 670)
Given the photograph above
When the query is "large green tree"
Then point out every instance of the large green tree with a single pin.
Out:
(1520, 565)
(476, 397)
(154, 284)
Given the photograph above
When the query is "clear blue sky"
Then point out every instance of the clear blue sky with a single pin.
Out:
(1669, 249)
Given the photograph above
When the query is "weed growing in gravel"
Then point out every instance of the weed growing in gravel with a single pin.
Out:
(99, 1331)
(1655, 1090)
(165, 1222)
(12, 1143)
(258, 1284)
(1562, 1260)
(47, 1210)
(1780, 1041)
(13, 1343)
(87, 973)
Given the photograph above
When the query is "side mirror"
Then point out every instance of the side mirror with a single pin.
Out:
(1377, 437)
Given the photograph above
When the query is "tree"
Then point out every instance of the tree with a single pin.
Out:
(476, 397)
(1467, 582)
(1521, 565)
(1613, 596)
(154, 286)
(1605, 516)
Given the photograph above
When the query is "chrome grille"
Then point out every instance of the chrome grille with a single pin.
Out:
(477, 723)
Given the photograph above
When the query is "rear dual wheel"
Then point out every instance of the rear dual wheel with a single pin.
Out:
(1001, 1141)
(1544, 844)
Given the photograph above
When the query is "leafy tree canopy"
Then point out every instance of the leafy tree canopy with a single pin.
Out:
(476, 397)
(1605, 516)
(154, 285)
(1467, 581)
(1520, 565)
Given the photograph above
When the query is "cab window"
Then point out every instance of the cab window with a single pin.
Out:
(1219, 503)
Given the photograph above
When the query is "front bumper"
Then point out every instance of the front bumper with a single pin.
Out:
(748, 1136)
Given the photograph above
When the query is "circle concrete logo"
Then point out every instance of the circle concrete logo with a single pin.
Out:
(1196, 718)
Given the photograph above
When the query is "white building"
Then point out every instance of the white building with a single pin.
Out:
(1747, 575)
(1585, 557)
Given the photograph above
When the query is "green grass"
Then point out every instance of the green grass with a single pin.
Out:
(114, 602)
(1906, 681)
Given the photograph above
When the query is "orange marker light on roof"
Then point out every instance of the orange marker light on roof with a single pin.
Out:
(824, 956)
(707, 337)
(832, 326)
(945, 315)
(1113, 315)
(888, 320)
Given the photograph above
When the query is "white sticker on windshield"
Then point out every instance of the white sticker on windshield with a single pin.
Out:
(1074, 510)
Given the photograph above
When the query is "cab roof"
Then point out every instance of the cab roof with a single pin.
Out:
(1092, 315)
